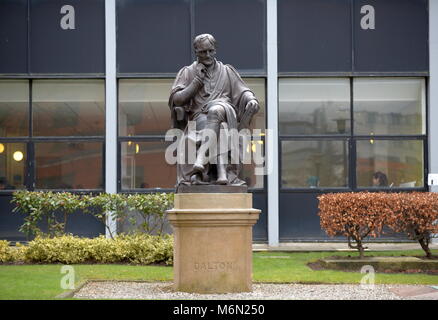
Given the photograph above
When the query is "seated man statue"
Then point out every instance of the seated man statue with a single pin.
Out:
(213, 96)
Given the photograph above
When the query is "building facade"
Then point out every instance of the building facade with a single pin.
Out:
(347, 87)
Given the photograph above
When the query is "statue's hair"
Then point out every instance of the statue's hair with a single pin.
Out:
(205, 36)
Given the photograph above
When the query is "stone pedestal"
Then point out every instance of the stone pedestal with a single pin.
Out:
(213, 242)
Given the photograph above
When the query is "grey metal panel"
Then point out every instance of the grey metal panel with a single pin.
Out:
(239, 29)
(260, 229)
(79, 50)
(153, 36)
(13, 36)
(10, 222)
(399, 41)
(299, 217)
(314, 36)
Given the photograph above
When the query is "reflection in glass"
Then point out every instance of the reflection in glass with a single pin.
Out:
(13, 157)
(400, 161)
(144, 110)
(68, 107)
(314, 106)
(14, 108)
(69, 165)
(311, 164)
(144, 166)
(389, 106)
(254, 179)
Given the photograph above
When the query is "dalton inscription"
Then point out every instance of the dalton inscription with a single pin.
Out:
(215, 266)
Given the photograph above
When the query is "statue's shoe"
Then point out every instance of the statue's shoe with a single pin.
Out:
(222, 181)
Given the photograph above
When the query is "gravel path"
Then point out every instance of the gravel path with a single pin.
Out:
(163, 290)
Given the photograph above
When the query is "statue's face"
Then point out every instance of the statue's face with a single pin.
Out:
(205, 52)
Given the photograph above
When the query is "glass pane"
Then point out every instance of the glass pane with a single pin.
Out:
(144, 166)
(68, 107)
(314, 106)
(389, 106)
(254, 179)
(144, 110)
(143, 106)
(69, 165)
(14, 108)
(13, 158)
(392, 163)
(311, 164)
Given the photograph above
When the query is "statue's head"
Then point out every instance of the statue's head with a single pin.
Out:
(205, 48)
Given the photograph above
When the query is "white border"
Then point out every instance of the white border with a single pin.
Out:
(111, 105)
(272, 116)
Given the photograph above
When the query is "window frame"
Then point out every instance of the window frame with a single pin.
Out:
(352, 144)
(30, 139)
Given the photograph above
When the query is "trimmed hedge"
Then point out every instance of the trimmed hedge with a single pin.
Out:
(358, 215)
(42, 206)
(68, 249)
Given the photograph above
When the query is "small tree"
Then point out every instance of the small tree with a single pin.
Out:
(354, 215)
(415, 214)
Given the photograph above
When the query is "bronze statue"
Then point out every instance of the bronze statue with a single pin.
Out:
(212, 96)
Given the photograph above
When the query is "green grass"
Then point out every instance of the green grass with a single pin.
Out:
(43, 281)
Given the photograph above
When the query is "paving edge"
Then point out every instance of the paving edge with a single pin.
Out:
(71, 293)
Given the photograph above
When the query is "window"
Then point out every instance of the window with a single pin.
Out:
(69, 165)
(64, 144)
(14, 108)
(13, 157)
(389, 106)
(383, 121)
(68, 108)
(314, 106)
(312, 164)
(401, 162)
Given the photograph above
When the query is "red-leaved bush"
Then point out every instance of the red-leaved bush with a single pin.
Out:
(354, 215)
(358, 215)
(416, 215)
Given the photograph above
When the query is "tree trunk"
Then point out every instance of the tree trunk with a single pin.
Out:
(424, 243)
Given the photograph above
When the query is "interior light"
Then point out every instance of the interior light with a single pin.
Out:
(137, 148)
(2, 147)
(18, 156)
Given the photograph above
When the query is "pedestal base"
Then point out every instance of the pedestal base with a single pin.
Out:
(213, 242)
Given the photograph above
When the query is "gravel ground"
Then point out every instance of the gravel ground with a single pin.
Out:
(163, 290)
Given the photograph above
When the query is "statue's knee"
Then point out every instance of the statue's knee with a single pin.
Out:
(216, 112)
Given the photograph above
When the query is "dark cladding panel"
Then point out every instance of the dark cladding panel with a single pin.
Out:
(67, 37)
(239, 29)
(13, 36)
(299, 217)
(153, 36)
(260, 229)
(399, 40)
(314, 36)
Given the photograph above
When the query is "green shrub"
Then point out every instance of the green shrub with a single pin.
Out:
(136, 249)
(65, 249)
(5, 251)
(105, 207)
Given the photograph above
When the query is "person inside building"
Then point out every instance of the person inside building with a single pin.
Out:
(380, 179)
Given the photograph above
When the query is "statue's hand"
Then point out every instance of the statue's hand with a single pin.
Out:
(252, 107)
(201, 70)
(180, 111)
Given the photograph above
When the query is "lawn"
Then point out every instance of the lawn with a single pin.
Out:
(43, 281)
